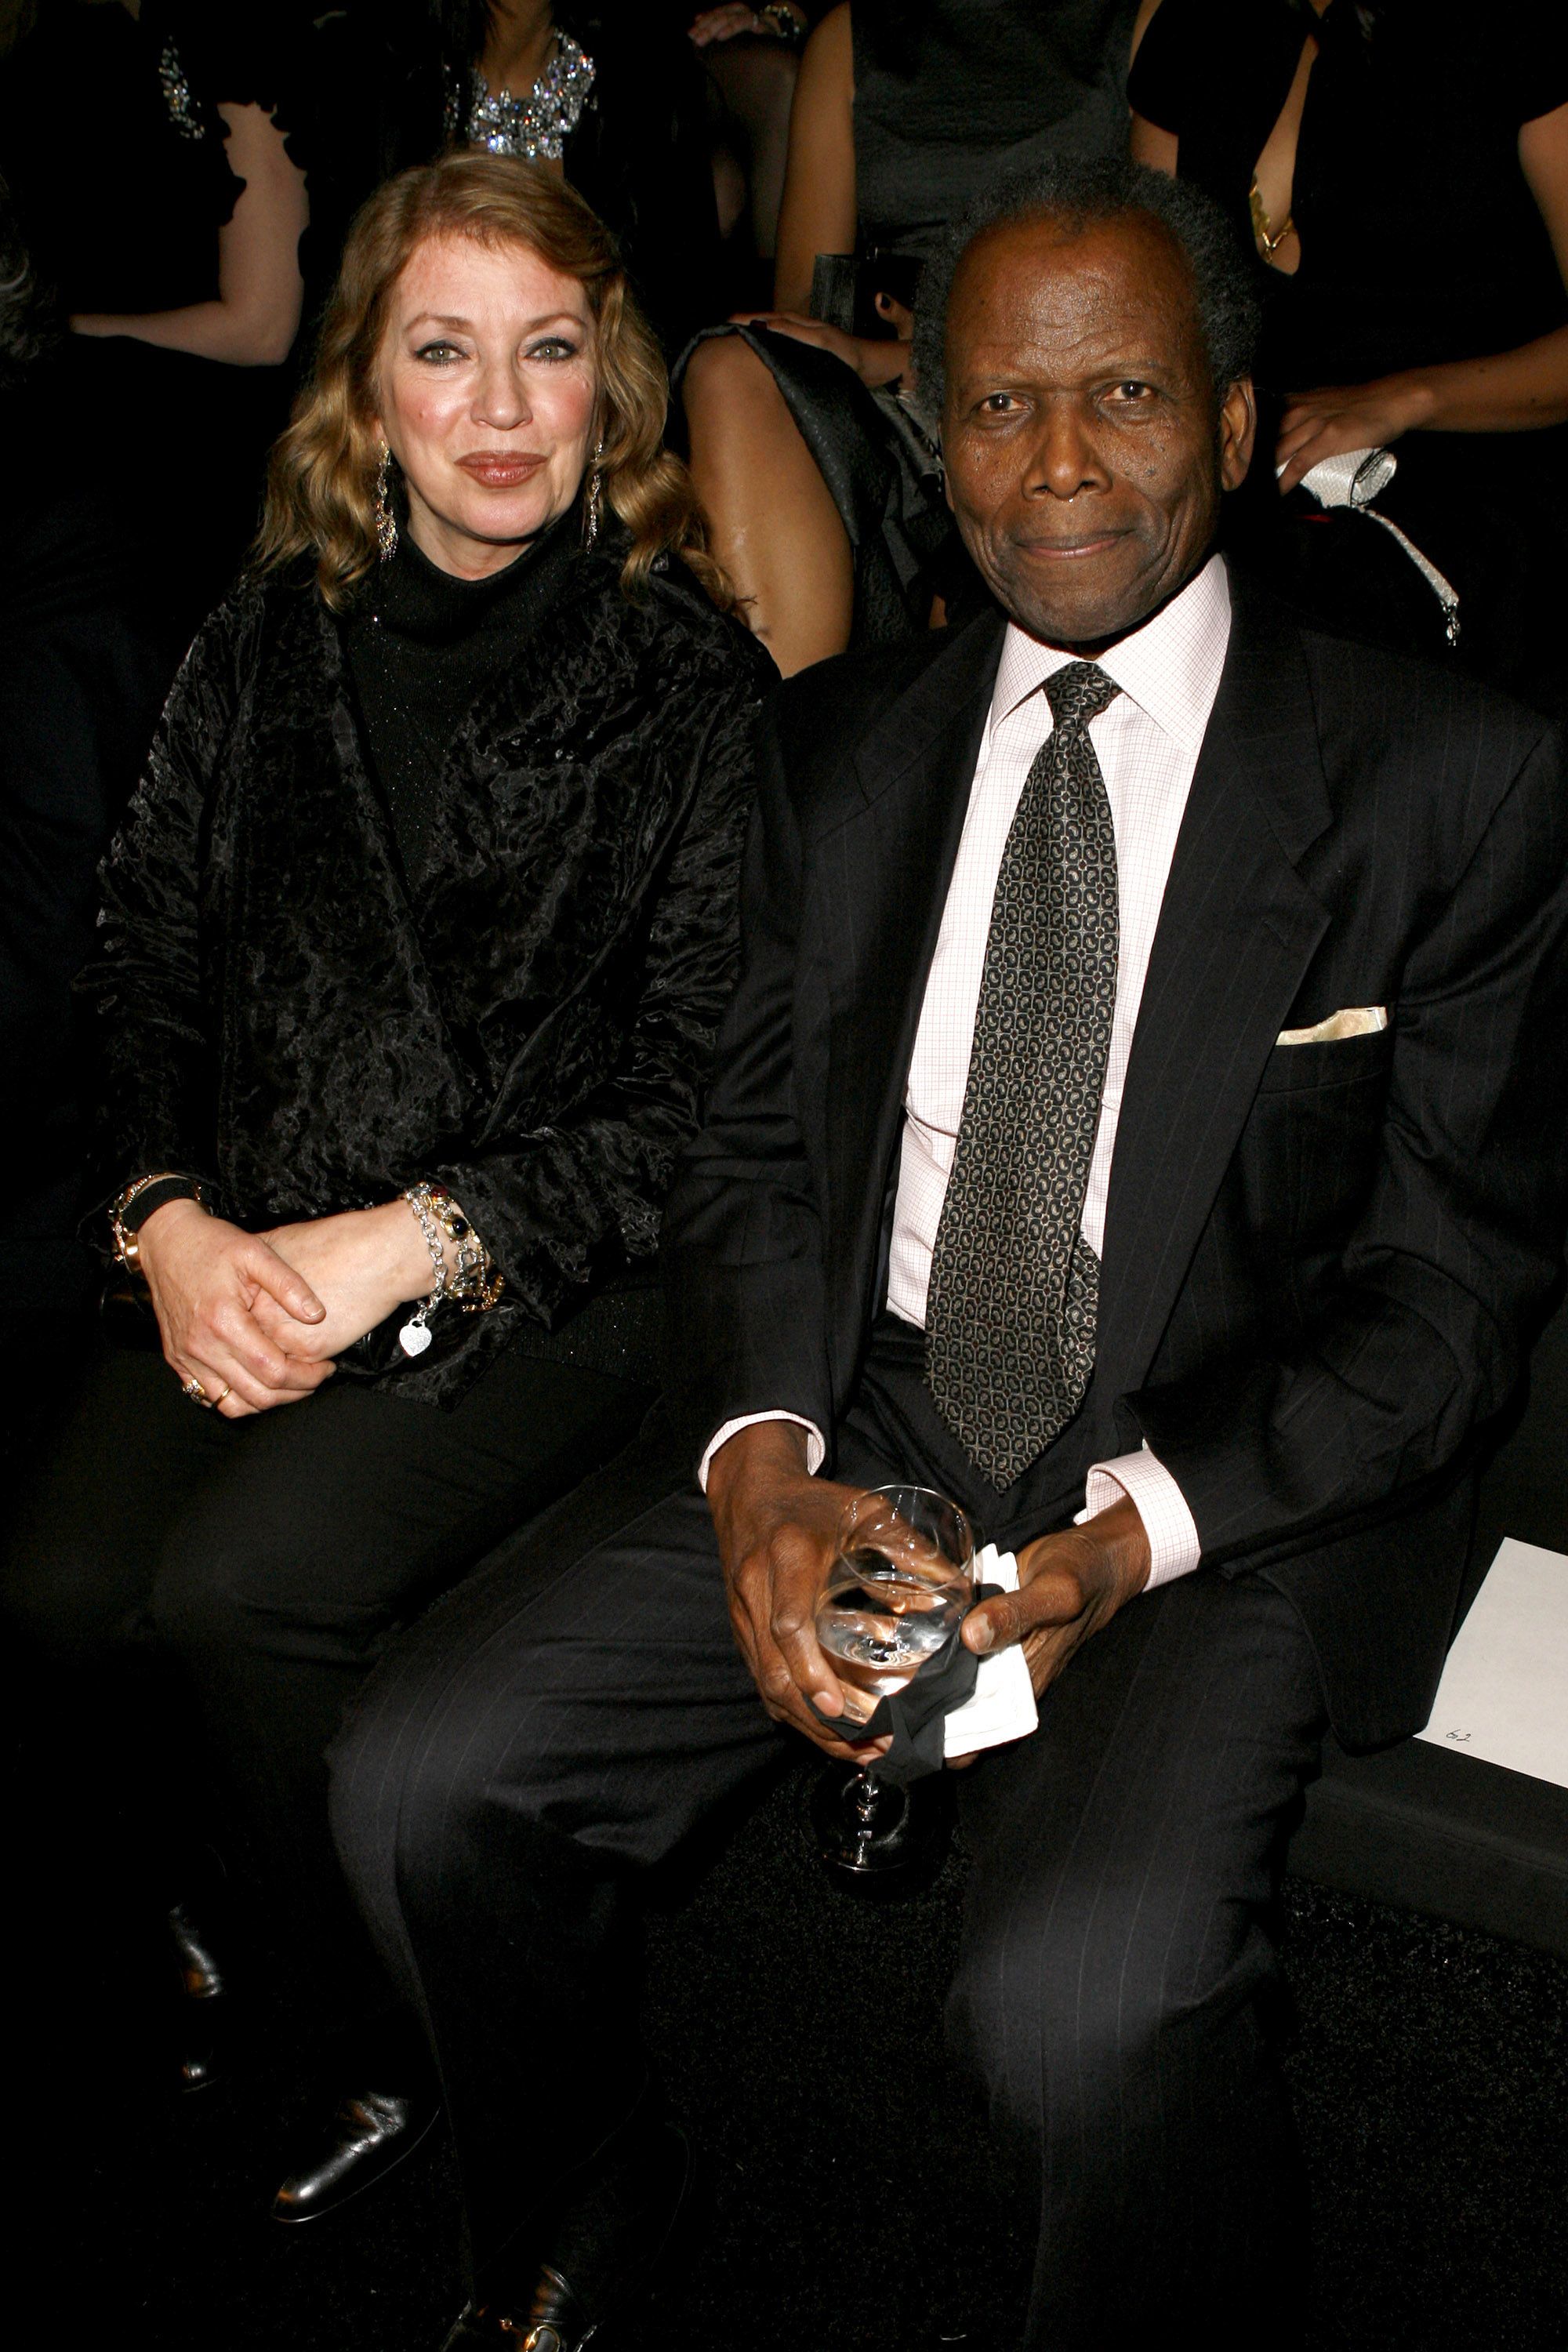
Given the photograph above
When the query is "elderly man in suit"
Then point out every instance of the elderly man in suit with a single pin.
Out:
(1140, 1118)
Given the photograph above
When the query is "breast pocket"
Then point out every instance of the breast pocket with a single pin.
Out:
(1314, 1138)
(1334, 1062)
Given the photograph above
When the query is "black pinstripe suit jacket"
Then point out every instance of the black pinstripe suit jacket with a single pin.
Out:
(1323, 1264)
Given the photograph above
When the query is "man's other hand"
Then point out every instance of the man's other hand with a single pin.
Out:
(778, 1536)
(1069, 1585)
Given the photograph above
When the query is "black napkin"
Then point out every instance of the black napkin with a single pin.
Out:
(914, 1717)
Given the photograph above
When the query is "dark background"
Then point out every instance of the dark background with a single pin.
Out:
(1429, 2067)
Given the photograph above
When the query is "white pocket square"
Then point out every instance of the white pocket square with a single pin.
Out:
(1358, 1020)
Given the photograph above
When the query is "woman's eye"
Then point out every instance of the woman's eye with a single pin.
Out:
(438, 354)
(555, 347)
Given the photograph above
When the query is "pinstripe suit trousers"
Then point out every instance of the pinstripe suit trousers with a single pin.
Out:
(570, 1716)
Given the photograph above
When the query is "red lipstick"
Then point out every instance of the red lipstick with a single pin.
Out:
(501, 470)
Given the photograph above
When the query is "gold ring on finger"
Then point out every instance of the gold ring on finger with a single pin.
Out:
(194, 1390)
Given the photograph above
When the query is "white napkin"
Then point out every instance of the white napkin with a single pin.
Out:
(1003, 1705)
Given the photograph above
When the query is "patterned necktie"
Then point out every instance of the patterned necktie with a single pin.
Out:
(1010, 1320)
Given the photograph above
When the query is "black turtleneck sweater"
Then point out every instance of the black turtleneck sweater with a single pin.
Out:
(424, 647)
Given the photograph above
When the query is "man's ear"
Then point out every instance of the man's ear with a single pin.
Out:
(1237, 432)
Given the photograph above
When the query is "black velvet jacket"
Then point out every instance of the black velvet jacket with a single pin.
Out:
(533, 1027)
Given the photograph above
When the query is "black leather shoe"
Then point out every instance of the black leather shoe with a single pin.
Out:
(203, 2011)
(612, 2246)
(368, 2137)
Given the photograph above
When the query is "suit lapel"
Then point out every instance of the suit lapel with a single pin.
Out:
(886, 870)
(1237, 930)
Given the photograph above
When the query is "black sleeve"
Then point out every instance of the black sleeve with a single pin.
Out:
(145, 985)
(1452, 1264)
(742, 1247)
(243, 53)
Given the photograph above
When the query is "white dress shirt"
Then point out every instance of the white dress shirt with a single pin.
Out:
(1147, 741)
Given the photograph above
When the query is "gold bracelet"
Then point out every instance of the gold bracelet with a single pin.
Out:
(474, 1283)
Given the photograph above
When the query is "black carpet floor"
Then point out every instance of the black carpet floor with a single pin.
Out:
(1429, 2068)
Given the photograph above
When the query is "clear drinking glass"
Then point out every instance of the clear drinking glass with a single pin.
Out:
(901, 1583)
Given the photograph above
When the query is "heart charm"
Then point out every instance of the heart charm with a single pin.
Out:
(413, 1339)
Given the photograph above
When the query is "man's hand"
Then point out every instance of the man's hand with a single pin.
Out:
(1069, 1585)
(778, 1536)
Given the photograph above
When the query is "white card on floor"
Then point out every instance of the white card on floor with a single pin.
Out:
(1502, 1693)
(1002, 1705)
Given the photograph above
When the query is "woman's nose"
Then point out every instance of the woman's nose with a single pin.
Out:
(502, 398)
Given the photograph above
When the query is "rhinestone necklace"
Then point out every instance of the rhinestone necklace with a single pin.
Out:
(535, 126)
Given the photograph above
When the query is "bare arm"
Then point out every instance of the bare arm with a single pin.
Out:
(1152, 146)
(255, 317)
(1507, 391)
(818, 211)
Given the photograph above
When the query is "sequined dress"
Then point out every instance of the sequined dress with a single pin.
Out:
(621, 105)
(536, 126)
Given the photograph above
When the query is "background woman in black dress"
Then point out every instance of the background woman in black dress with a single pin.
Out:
(147, 145)
(416, 935)
(824, 494)
(1400, 168)
(611, 97)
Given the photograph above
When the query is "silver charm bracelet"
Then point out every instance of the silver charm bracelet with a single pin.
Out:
(473, 1285)
(414, 1335)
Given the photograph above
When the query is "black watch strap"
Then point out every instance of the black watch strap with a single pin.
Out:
(168, 1188)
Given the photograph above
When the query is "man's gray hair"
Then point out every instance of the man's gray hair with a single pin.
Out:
(1084, 195)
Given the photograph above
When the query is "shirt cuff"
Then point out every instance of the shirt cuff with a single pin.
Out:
(1174, 1548)
(815, 1443)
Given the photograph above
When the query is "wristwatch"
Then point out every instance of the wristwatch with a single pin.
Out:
(131, 1208)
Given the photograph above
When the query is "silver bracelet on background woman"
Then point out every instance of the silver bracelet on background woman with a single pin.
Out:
(473, 1284)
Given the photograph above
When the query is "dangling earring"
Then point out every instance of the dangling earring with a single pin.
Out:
(591, 532)
(385, 519)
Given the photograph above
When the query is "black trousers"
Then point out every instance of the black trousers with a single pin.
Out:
(160, 1552)
(568, 1716)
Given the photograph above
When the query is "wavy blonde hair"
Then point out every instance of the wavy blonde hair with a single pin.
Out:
(321, 476)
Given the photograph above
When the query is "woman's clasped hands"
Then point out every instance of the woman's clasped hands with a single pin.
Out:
(259, 1320)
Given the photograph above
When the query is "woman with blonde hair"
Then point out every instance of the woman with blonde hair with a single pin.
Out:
(414, 942)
